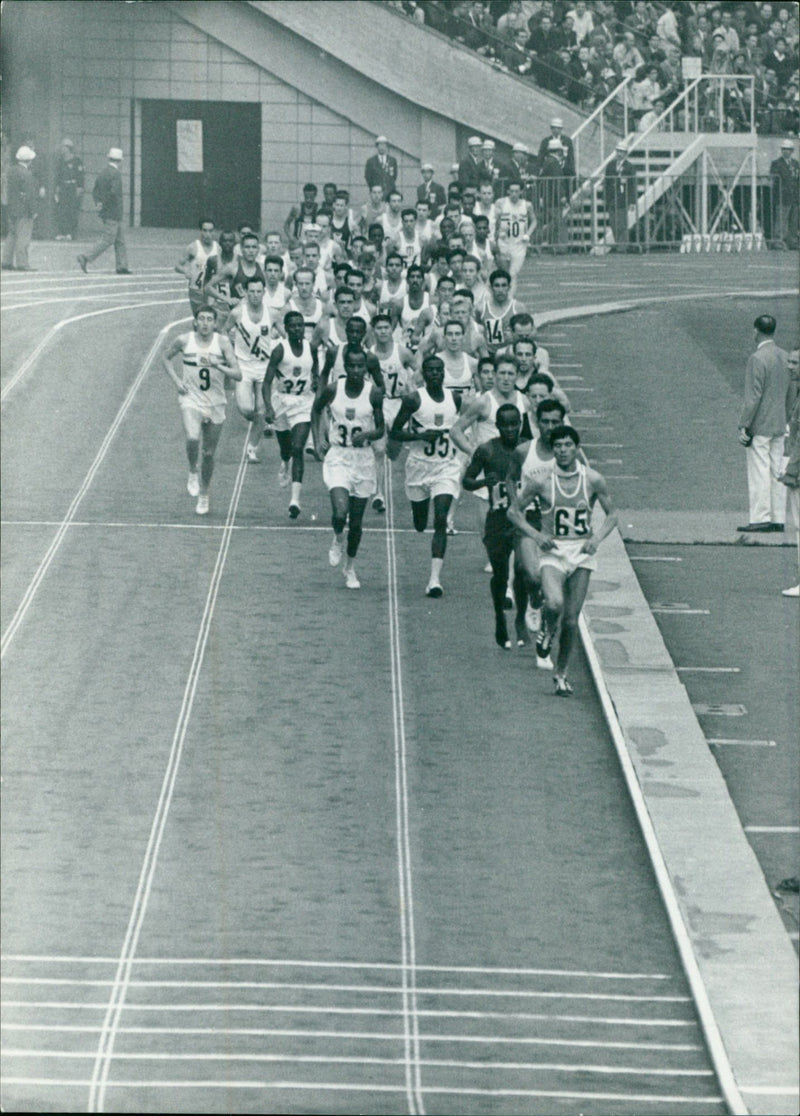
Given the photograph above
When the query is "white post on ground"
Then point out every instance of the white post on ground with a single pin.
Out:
(704, 193)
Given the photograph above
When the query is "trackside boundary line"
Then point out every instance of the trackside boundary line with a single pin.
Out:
(716, 1047)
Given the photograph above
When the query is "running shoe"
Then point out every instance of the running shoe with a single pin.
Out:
(501, 634)
(451, 528)
(335, 552)
(562, 687)
(201, 507)
(294, 510)
(378, 504)
(252, 456)
(523, 639)
(508, 603)
(350, 579)
(269, 429)
(793, 592)
(193, 484)
(284, 477)
(533, 618)
(487, 568)
(545, 664)
(543, 641)
(434, 589)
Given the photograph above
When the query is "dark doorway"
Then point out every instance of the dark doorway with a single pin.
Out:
(200, 158)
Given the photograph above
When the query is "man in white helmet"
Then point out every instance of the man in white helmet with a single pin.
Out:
(21, 210)
(545, 147)
(107, 194)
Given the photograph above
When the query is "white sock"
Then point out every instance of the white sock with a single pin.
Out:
(436, 568)
(296, 486)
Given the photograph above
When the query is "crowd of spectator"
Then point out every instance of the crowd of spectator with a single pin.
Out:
(582, 50)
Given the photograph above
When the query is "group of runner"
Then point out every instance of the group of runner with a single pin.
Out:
(364, 347)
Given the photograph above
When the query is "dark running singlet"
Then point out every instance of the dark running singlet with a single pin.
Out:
(241, 277)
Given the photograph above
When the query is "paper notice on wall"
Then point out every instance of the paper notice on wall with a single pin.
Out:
(190, 145)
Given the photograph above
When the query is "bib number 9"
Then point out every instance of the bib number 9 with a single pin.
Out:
(204, 375)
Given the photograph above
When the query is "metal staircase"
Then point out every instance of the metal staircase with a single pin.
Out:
(696, 181)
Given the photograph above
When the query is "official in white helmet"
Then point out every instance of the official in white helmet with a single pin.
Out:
(557, 133)
(22, 194)
(107, 194)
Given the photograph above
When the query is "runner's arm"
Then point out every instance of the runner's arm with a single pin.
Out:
(477, 463)
(275, 357)
(166, 359)
(471, 413)
(611, 522)
(323, 397)
(230, 365)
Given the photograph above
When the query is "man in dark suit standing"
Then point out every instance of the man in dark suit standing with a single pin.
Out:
(762, 425)
(470, 169)
(784, 173)
(431, 192)
(69, 190)
(23, 194)
(619, 194)
(381, 168)
(557, 133)
(107, 194)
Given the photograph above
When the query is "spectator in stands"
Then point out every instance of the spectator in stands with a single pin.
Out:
(469, 169)
(514, 20)
(645, 91)
(605, 24)
(543, 43)
(582, 21)
(583, 89)
(515, 56)
(785, 180)
(430, 191)
(627, 55)
(381, 168)
(752, 52)
(700, 38)
(667, 26)
(569, 40)
(779, 61)
(640, 21)
(476, 30)
(564, 142)
(729, 31)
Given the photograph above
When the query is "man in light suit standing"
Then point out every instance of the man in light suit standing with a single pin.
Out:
(381, 168)
(762, 425)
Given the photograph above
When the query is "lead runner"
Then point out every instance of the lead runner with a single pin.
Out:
(566, 542)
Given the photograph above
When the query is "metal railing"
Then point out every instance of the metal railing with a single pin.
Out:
(694, 212)
(610, 115)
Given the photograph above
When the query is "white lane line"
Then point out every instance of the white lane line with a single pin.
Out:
(708, 670)
(345, 1087)
(723, 709)
(719, 742)
(772, 829)
(573, 390)
(105, 1049)
(93, 298)
(60, 534)
(772, 1090)
(592, 284)
(620, 476)
(553, 364)
(395, 1013)
(371, 1036)
(407, 939)
(653, 557)
(708, 1022)
(603, 445)
(226, 961)
(104, 286)
(361, 989)
(361, 1060)
(26, 364)
(79, 277)
(680, 610)
(205, 526)
(569, 379)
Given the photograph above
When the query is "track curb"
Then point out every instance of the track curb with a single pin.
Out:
(737, 956)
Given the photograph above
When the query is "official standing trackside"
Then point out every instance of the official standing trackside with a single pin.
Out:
(107, 194)
(471, 170)
(784, 173)
(68, 192)
(619, 195)
(22, 195)
(791, 474)
(564, 142)
(381, 168)
(762, 426)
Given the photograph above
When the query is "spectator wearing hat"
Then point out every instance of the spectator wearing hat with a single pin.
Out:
(469, 169)
(107, 194)
(381, 168)
(762, 425)
(490, 169)
(22, 196)
(784, 173)
(517, 170)
(68, 191)
(619, 196)
(554, 192)
(557, 133)
(430, 191)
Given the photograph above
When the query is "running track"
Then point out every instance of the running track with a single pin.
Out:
(274, 846)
